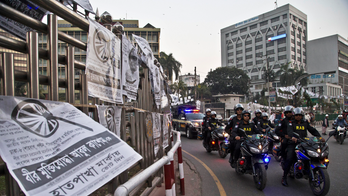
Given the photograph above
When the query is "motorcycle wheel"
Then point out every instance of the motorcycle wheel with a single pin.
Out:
(342, 139)
(222, 153)
(260, 177)
(321, 184)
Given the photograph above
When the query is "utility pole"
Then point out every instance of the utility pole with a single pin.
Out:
(268, 81)
(195, 85)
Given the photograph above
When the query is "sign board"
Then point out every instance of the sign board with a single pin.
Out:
(272, 99)
(52, 148)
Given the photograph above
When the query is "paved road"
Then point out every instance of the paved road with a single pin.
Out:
(244, 185)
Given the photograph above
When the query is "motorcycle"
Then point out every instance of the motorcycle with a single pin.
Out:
(340, 134)
(254, 159)
(312, 162)
(276, 145)
(216, 135)
(224, 145)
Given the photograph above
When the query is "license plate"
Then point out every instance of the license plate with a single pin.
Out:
(182, 125)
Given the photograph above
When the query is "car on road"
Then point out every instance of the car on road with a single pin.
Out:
(189, 123)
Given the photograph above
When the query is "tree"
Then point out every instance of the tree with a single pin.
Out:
(170, 65)
(285, 73)
(203, 91)
(180, 88)
(227, 80)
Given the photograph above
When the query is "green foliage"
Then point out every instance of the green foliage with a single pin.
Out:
(308, 100)
(170, 65)
(227, 80)
(180, 88)
(288, 75)
(203, 91)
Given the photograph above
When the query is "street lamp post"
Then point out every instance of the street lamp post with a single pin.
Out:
(269, 96)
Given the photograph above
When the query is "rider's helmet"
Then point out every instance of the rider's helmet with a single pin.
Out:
(246, 112)
(237, 106)
(340, 116)
(213, 113)
(207, 110)
(264, 114)
(288, 108)
(258, 112)
(298, 111)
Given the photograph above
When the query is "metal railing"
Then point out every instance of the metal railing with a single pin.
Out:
(132, 129)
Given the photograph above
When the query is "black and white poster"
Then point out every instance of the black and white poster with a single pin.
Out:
(166, 124)
(130, 69)
(146, 48)
(156, 119)
(103, 64)
(52, 148)
(110, 118)
(26, 7)
(156, 83)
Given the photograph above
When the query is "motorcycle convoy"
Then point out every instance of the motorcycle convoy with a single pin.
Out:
(255, 149)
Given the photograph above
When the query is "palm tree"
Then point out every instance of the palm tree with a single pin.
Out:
(170, 65)
(285, 74)
(179, 88)
(203, 90)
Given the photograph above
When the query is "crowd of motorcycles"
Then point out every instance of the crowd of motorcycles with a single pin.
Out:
(312, 156)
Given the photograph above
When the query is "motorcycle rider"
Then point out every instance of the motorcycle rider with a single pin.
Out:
(299, 126)
(281, 130)
(340, 121)
(238, 109)
(205, 125)
(263, 123)
(257, 117)
(249, 129)
(211, 125)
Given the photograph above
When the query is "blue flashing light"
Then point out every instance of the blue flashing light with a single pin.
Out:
(266, 160)
(191, 111)
(277, 37)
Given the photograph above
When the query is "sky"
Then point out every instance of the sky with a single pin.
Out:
(190, 29)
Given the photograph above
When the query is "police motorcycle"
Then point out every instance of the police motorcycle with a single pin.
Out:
(275, 139)
(312, 162)
(254, 158)
(340, 134)
(224, 145)
(217, 134)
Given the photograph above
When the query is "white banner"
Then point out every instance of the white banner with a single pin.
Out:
(103, 66)
(52, 148)
(110, 118)
(156, 124)
(85, 4)
(26, 7)
(166, 124)
(146, 48)
(157, 83)
(130, 69)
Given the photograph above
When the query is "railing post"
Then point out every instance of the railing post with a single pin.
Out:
(172, 173)
(168, 180)
(181, 171)
(8, 67)
(33, 64)
(53, 56)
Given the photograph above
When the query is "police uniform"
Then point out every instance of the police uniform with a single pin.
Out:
(301, 129)
(256, 120)
(205, 129)
(263, 124)
(232, 123)
(249, 129)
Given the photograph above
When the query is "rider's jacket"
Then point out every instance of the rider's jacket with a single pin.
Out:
(281, 129)
(232, 123)
(262, 124)
(249, 129)
(301, 128)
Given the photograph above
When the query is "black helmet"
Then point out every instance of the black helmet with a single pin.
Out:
(298, 111)
(288, 108)
(238, 105)
(246, 112)
(264, 114)
(258, 111)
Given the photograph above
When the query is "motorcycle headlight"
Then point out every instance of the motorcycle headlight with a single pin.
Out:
(196, 124)
(265, 149)
(312, 153)
(226, 134)
(255, 150)
(276, 137)
(325, 153)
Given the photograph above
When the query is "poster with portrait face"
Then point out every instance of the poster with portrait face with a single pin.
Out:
(156, 119)
(130, 69)
(157, 85)
(146, 48)
(166, 124)
(110, 118)
(52, 148)
(103, 64)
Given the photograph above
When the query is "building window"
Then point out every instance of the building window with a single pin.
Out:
(285, 16)
(282, 49)
(239, 65)
(281, 57)
(230, 54)
(248, 42)
(259, 62)
(263, 23)
(249, 63)
(227, 35)
(270, 44)
(253, 26)
(230, 61)
(299, 59)
(239, 52)
(281, 41)
(292, 33)
(299, 51)
(271, 59)
(294, 18)
(313, 89)
(299, 43)
(275, 19)
(230, 47)
(304, 45)
(293, 57)
(234, 33)
(304, 61)
(281, 32)
(239, 58)
(239, 45)
(300, 21)
(304, 38)
(243, 30)
(270, 52)
(258, 47)
(293, 41)
(258, 39)
(254, 77)
(249, 56)
(299, 36)
(260, 54)
(248, 49)
(254, 70)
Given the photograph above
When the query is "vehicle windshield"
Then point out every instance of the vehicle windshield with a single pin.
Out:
(194, 116)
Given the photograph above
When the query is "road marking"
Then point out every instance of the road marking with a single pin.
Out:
(216, 179)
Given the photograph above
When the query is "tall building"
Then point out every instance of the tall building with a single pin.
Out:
(328, 64)
(276, 37)
(189, 80)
